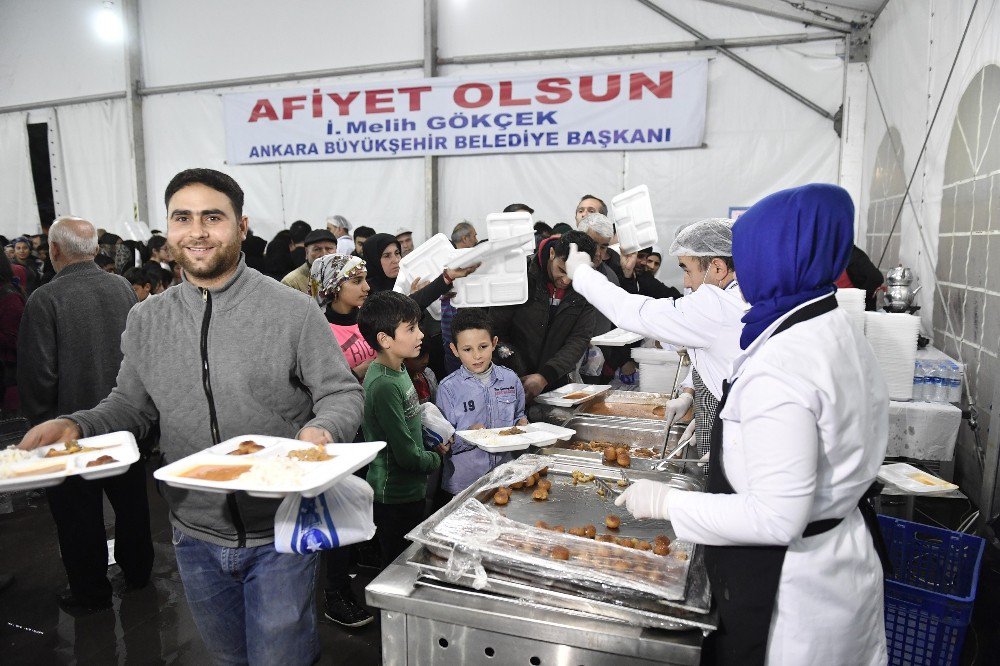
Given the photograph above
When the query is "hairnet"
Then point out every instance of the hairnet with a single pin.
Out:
(705, 238)
(600, 224)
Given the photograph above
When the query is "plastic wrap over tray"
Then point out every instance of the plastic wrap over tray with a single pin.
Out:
(476, 534)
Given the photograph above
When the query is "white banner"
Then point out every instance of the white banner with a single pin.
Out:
(649, 107)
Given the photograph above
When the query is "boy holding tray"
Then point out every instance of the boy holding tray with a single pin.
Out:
(480, 394)
(389, 322)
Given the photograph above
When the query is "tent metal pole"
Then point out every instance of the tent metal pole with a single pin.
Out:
(431, 224)
(637, 49)
(738, 60)
(66, 101)
(802, 13)
(133, 105)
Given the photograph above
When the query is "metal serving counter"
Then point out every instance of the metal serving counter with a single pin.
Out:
(427, 621)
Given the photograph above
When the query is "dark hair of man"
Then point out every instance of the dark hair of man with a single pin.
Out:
(299, 230)
(655, 254)
(584, 243)
(542, 228)
(139, 276)
(216, 180)
(6, 272)
(103, 260)
(156, 242)
(469, 319)
(383, 312)
(166, 276)
(363, 232)
(704, 262)
(518, 207)
(603, 210)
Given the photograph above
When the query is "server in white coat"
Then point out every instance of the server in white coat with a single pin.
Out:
(801, 433)
(706, 322)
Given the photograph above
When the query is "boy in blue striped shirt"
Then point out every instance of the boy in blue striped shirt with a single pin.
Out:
(480, 394)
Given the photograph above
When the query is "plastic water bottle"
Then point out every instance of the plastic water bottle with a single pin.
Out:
(954, 383)
(918, 381)
(934, 383)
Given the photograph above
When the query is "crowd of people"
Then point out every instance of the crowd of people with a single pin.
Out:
(185, 360)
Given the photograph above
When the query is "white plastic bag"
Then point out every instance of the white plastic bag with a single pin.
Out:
(437, 429)
(339, 517)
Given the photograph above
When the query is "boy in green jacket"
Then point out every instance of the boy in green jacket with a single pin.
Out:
(389, 322)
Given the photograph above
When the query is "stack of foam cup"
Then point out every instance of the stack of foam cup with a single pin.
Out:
(852, 301)
(893, 337)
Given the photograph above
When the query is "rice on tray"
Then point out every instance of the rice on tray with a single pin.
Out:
(274, 472)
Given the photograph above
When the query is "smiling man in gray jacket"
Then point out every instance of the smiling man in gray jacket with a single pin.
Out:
(227, 353)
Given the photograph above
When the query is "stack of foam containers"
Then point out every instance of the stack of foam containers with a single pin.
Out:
(893, 337)
(657, 369)
(852, 301)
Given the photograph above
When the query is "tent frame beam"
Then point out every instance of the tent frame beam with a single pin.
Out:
(805, 12)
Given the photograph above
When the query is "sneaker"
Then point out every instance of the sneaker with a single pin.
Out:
(345, 611)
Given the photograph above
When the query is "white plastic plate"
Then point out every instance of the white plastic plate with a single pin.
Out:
(490, 439)
(561, 434)
(317, 476)
(501, 280)
(119, 445)
(557, 397)
(914, 480)
(485, 251)
(500, 226)
(632, 212)
(618, 337)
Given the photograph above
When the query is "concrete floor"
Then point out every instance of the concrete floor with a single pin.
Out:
(149, 626)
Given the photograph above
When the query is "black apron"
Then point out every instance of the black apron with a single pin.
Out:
(745, 578)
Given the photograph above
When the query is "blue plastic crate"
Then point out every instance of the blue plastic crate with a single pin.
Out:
(929, 599)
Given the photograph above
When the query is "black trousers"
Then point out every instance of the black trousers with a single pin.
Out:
(394, 521)
(78, 509)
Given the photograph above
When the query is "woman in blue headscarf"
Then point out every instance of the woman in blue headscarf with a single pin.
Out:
(801, 432)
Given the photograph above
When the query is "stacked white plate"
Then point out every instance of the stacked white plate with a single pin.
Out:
(853, 303)
(893, 338)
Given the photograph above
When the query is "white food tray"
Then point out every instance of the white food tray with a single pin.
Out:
(561, 434)
(491, 441)
(317, 476)
(500, 226)
(501, 280)
(486, 251)
(632, 212)
(427, 260)
(119, 445)
(618, 337)
(913, 480)
(556, 398)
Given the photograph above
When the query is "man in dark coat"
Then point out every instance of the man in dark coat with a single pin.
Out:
(69, 351)
(550, 332)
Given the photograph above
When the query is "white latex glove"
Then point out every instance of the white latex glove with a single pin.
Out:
(687, 436)
(646, 499)
(576, 259)
(677, 408)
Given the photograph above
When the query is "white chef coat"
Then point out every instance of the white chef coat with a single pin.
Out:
(805, 429)
(706, 322)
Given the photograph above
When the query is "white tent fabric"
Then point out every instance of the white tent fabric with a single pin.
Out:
(19, 212)
(97, 163)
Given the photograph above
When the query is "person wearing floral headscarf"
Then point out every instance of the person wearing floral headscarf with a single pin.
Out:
(341, 287)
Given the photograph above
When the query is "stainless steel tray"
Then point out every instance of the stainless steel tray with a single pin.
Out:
(477, 535)
(634, 433)
(522, 589)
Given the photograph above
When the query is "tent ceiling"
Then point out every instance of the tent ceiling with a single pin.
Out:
(836, 15)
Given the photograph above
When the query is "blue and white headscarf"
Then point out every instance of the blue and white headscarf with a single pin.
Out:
(788, 249)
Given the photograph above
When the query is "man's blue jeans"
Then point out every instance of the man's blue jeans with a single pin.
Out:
(251, 605)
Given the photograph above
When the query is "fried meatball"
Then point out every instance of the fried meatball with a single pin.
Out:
(545, 484)
(540, 494)
(577, 531)
(660, 548)
(560, 553)
(612, 522)
(501, 498)
(610, 454)
(589, 531)
(624, 459)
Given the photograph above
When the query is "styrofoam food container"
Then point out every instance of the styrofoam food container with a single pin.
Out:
(347, 458)
(490, 439)
(556, 398)
(618, 337)
(119, 445)
(501, 226)
(632, 212)
(502, 279)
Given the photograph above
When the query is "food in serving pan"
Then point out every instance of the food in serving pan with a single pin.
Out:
(560, 553)
(581, 477)
(500, 497)
(69, 448)
(611, 451)
(624, 459)
(612, 522)
(245, 448)
(216, 472)
(540, 495)
(627, 409)
(312, 454)
(511, 431)
(101, 460)
(576, 395)
(545, 484)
